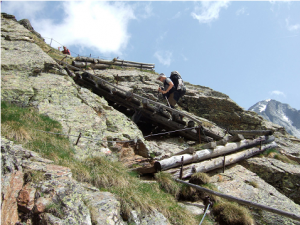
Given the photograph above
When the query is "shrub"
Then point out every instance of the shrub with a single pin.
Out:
(232, 213)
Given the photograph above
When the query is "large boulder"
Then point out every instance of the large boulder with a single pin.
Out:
(28, 80)
(239, 182)
(285, 177)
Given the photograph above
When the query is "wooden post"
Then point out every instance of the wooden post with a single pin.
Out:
(64, 58)
(199, 129)
(78, 138)
(224, 164)
(180, 176)
(260, 145)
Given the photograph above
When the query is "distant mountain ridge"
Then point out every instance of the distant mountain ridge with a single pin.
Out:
(279, 113)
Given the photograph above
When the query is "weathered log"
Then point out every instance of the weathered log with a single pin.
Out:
(191, 123)
(129, 97)
(145, 170)
(161, 111)
(99, 66)
(119, 60)
(81, 64)
(223, 141)
(70, 73)
(236, 138)
(178, 118)
(147, 113)
(251, 132)
(208, 132)
(216, 163)
(243, 202)
(171, 126)
(294, 139)
(133, 65)
(174, 161)
(209, 145)
(189, 150)
(147, 106)
(86, 59)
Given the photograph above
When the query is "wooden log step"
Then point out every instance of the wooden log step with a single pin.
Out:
(236, 138)
(81, 64)
(99, 66)
(119, 60)
(174, 161)
(191, 123)
(86, 59)
(216, 163)
(189, 150)
(251, 132)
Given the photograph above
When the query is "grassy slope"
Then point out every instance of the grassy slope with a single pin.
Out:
(22, 124)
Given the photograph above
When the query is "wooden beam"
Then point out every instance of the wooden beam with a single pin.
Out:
(251, 132)
(198, 156)
(216, 163)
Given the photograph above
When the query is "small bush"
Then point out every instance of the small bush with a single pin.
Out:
(199, 178)
(167, 183)
(232, 213)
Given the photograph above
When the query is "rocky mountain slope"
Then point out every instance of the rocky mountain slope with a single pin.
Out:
(279, 113)
(31, 78)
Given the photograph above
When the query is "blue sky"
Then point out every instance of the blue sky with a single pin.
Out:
(247, 50)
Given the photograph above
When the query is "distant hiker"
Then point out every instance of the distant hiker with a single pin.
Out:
(65, 51)
(173, 86)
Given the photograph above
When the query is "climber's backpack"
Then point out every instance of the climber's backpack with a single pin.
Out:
(178, 82)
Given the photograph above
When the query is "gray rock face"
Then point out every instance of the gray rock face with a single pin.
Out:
(239, 182)
(56, 198)
(279, 113)
(283, 176)
(26, 81)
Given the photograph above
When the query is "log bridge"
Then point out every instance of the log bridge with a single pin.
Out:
(217, 153)
(141, 108)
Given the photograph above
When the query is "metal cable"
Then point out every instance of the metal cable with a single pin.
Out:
(132, 140)
(169, 132)
(75, 52)
(69, 135)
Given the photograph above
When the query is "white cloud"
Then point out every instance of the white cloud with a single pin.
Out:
(278, 93)
(89, 24)
(241, 11)
(177, 15)
(144, 10)
(184, 57)
(161, 37)
(164, 57)
(291, 27)
(25, 10)
(209, 11)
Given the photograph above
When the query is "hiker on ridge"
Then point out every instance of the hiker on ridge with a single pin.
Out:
(169, 89)
(173, 86)
(65, 51)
